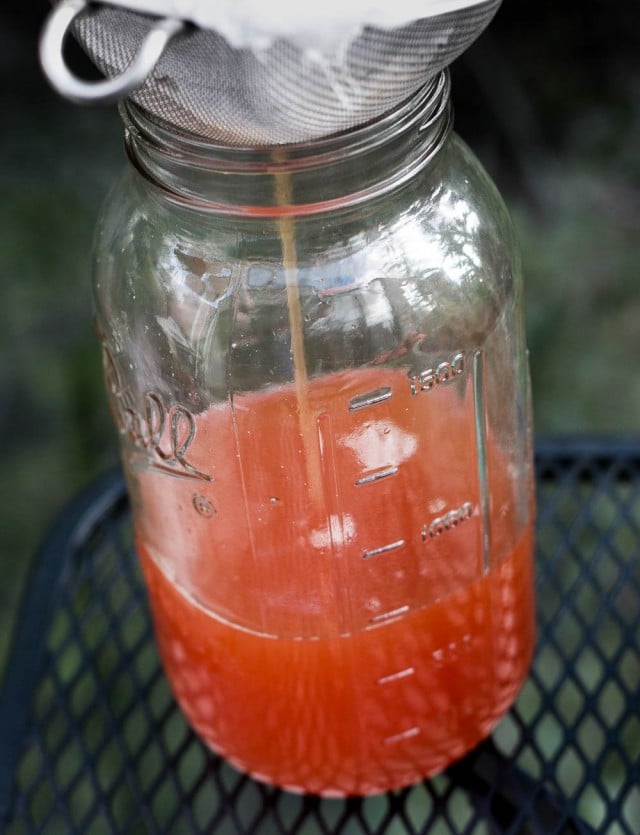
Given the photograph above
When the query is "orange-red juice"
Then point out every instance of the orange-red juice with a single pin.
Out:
(335, 626)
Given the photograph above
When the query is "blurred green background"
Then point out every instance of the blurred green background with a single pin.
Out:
(550, 101)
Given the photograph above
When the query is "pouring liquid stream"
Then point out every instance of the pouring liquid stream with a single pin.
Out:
(308, 431)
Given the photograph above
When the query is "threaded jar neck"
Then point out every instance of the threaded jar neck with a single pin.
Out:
(299, 179)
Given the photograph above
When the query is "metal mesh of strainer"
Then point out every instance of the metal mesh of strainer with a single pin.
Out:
(282, 93)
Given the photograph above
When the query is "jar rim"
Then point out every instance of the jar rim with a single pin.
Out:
(426, 103)
(387, 152)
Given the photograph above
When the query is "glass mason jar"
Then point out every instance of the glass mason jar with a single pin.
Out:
(315, 357)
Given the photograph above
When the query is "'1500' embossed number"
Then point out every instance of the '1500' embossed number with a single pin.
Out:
(445, 372)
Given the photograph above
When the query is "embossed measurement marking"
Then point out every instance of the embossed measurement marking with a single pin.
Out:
(392, 546)
(445, 372)
(368, 479)
(448, 521)
(409, 671)
(480, 414)
(370, 398)
(410, 732)
(394, 613)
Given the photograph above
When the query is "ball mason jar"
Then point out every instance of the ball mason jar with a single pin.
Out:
(315, 358)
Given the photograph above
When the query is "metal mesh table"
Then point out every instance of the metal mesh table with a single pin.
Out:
(91, 740)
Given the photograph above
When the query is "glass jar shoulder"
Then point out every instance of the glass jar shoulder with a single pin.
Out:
(457, 227)
(435, 259)
(163, 292)
(156, 262)
(431, 262)
(450, 216)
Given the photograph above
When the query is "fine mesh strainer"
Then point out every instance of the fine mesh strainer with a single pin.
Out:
(248, 73)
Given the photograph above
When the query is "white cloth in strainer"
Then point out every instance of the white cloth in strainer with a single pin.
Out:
(253, 72)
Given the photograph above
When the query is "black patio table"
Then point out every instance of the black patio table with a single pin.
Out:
(92, 742)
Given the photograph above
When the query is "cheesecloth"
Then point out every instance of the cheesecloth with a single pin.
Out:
(253, 73)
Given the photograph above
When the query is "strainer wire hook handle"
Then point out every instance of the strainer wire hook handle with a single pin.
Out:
(112, 89)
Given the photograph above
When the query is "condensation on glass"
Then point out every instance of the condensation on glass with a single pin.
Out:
(315, 357)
